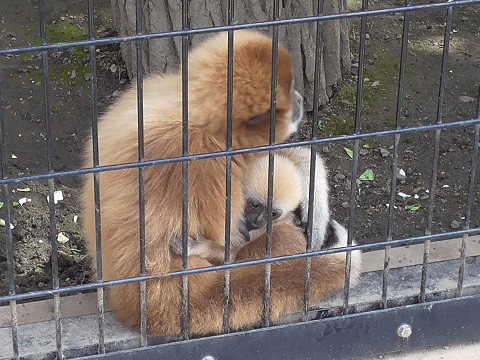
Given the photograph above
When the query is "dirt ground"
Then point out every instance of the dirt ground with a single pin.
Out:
(71, 110)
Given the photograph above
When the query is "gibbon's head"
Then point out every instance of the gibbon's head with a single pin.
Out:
(252, 77)
(287, 191)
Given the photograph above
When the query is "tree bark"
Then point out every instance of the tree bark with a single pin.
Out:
(162, 55)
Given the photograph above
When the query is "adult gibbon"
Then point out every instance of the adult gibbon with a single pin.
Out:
(207, 129)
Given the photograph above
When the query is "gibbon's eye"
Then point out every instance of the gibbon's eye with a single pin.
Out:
(254, 205)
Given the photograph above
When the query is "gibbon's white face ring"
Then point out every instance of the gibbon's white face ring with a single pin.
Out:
(297, 112)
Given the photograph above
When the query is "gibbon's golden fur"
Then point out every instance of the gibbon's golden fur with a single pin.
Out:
(119, 200)
(247, 289)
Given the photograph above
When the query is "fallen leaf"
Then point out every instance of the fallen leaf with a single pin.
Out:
(412, 207)
(403, 195)
(349, 152)
(368, 175)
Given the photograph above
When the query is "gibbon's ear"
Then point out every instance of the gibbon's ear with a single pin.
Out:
(258, 119)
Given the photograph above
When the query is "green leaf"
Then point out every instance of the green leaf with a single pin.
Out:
(368, 175)
(27, 189)
(403, 195)
(349, 152)
(412, 207)
(1, 204)
(15, 204)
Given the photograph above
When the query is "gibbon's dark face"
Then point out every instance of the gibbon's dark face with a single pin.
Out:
(256, 215)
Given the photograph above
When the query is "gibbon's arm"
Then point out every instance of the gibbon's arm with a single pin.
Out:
(321, 212)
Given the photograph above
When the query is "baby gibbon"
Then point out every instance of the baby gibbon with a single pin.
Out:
(290, 192)
(207, 130)
(291, 183)
(287, 195)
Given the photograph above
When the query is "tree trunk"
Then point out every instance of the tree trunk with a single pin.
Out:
(162, 55)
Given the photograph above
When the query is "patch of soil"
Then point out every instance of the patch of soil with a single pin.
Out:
(71, 111)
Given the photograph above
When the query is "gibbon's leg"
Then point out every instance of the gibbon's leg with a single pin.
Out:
(247, 284)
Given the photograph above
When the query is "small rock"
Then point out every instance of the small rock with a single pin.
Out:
(73, 74)
(113, 68)
(339, 177)
(367, 36)
(455, 224)
(87, 76)
(442, 175)
(384, 152)
(345, 204)
(363, 151)
(116, 93)
(466, 99)
(326, 149)
(401, 174)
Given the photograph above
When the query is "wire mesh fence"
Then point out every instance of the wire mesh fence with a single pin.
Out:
(143, 163)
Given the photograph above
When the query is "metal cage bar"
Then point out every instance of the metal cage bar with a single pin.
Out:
(313, 156)
(353, 180)
(436, 151)
(254, 25)
(393, 179)
(471, 189)
(8, 231)
(96, 179)
(84, 287)
(185, 285)
(103, 168)
(228, 169)
(271, 164)
(51, 185)
(141, 173)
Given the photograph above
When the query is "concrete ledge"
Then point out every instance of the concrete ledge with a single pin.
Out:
(36, 328)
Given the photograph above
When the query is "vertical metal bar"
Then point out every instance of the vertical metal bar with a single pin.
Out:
(393, 183)
(185, 289)
(228, 212)
(51, 185)
(471, 189)
(353, 182)
(141, 174)
(313, 156)
(96, 178)
(271, 169)
(436, 153)
(8, 230)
